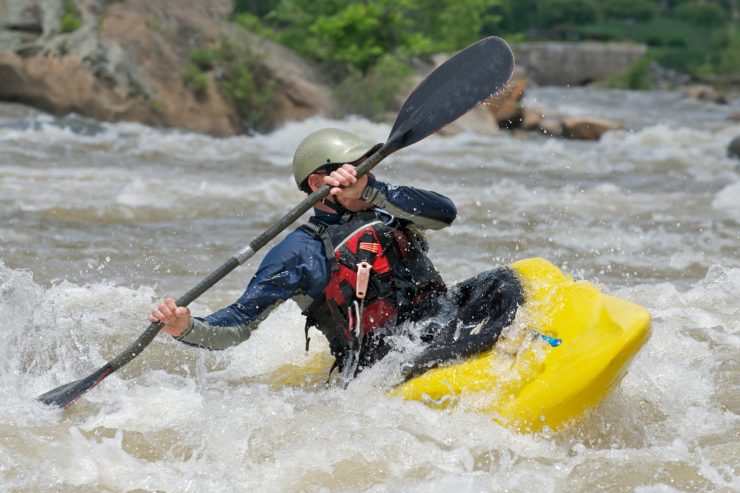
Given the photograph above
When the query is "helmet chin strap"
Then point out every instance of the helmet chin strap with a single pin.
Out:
(335, 206)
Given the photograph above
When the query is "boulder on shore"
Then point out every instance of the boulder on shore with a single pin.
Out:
(505, 105)
(733, 149)
(704, 93)
(551, 126)
(531, 117)
(479, 121)
(587, 128)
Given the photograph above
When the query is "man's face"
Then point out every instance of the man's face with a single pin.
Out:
(349, 188)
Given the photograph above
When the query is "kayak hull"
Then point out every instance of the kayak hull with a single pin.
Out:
(527, 384)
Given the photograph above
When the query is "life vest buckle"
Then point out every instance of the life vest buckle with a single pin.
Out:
(363, 277)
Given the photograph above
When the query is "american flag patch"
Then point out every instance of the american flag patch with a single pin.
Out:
(369, 247)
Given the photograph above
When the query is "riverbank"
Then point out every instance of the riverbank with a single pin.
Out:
(166, 64)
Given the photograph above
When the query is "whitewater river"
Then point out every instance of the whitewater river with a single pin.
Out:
(98, 221)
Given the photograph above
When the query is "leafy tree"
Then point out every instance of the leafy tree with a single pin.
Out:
(358, 35)
(375, 93)
(70, 20)
(257, 8)
(241, 80)
(729, 58)
(708, 14)
(449, 24)
(203, 58)
(519, 15)
(558, 12)
(349, 38)
(355, 34)
(638, 10)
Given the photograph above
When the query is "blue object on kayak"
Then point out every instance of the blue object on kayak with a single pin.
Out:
(552, 341)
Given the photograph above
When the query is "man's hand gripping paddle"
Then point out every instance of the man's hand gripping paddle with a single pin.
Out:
(451, 90)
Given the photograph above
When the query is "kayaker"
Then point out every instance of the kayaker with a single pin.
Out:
(379, 279)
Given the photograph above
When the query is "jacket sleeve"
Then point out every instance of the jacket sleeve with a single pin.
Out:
(295, 266)
(428, 210)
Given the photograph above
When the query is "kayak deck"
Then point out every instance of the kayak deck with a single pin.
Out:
(539, 385)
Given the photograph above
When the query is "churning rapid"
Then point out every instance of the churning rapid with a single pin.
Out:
(99, 221)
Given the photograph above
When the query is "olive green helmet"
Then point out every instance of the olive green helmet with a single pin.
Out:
(326, 147)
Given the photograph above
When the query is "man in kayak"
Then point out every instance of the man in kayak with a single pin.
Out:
(359, 271)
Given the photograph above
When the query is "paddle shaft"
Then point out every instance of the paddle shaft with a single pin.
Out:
(242, 256)
(66, 395)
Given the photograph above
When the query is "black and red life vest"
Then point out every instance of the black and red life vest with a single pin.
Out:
(400, 276)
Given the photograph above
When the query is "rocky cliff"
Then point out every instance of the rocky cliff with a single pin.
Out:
(127, 60)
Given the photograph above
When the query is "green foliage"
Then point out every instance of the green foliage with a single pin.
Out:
(636, 78)
(237, 71)
(449, 25)
(255, 25)
(559, 12)
(701, 14)
(680, 59)
(256, 8)
(203, 58)
(70, 18)
(240, 80)
(195, 76)
(638, 10)
(349, 35)
(729, 57)
(637, 75)
(374, 94)
(518, 15)
(355, 41)
(604, 31)
(673, 43)
(195, 79)
(353, 35)
(656, 32)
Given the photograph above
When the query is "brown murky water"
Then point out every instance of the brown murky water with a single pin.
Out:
(97, 221)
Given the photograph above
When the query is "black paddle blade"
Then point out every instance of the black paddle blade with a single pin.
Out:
(67, 394)
(457, 86)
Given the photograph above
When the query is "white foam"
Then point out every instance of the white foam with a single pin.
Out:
(238, 433)
(727, 201)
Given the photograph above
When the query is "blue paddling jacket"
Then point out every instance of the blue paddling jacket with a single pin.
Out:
(297, 268)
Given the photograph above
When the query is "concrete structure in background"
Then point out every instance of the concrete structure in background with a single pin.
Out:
(576, 64)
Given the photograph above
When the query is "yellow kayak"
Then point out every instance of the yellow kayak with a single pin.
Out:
(526, 383)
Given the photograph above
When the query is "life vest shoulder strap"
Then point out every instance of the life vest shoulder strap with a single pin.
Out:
(317, 229)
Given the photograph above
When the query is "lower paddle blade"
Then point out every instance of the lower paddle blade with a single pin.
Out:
(457, 86)
(67, 394)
